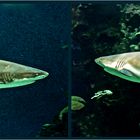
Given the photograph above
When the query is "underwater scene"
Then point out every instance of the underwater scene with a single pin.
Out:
(33, 69)
(105, 69)
(69, 69)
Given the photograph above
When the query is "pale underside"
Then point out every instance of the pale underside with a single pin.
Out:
(15, 84)
(117, 73)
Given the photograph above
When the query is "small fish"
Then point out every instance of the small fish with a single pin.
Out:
(15, 75)
(125, 65)
(99, 94)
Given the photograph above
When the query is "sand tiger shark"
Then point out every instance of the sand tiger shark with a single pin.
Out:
(15, 75)
(125, 65)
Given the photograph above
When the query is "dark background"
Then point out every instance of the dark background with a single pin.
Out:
(103, 29)
(34, 34)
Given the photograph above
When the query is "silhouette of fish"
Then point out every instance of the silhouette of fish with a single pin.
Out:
(125, 65)
(15, 75)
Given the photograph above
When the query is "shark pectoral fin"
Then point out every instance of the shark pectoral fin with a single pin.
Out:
(16, 84)
(126, 72)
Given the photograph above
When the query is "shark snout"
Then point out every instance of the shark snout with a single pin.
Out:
(99, 62)
(41, 75)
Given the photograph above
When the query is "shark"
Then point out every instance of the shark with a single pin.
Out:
(15, 75)
(125, 65)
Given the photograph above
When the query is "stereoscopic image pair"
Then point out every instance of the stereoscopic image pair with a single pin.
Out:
(69, 69)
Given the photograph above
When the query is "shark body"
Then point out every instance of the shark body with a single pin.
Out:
(125, 65)
(15, 75)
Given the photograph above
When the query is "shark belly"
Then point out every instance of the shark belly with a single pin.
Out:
(15, 84)
(118, 74)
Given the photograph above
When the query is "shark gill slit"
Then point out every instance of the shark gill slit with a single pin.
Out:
(118, 63)
(6, 77)
(121, 62)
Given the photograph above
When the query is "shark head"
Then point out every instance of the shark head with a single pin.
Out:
(125, 66)
(28, 77)
(107, 61)
(15, 75)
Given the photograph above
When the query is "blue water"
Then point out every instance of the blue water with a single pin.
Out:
(33, 34)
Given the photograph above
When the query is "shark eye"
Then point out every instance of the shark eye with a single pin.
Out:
(38, 74)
